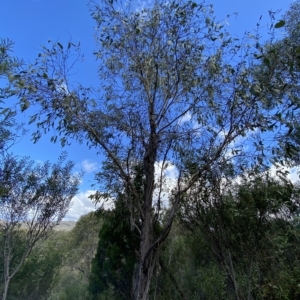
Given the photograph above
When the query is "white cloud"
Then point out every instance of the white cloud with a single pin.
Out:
(165, 174)
(89, 166)
(185, 118)
(63, 88)
(81, 205)
(293, 173)
(168, 170)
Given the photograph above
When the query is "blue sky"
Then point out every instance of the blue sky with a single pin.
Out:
(31, 23)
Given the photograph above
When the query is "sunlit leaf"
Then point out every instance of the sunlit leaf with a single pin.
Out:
(280, 24)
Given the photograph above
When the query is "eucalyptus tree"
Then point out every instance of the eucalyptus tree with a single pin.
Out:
(176, 91)
(33, 200)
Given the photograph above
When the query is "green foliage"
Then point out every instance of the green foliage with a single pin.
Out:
(280, 60)
(77, 251)
(33, 200)
(248, 234)
(113, 265)
(39, 273)
(280, 24)
(9, 66)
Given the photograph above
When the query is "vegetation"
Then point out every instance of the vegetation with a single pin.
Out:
(248, 230)
(244, 244)
(39, 274)
(177, 91)
(113, 265)
(33, 197)
(78, 248)
(33, 201)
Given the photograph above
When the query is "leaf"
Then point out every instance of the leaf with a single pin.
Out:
(260, 160)
(4, 111)
(267, 61)
(194, 5)
(280, 24)
(25, 104)
(60, 45)
(290, 130)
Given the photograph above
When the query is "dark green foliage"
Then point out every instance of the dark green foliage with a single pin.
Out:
(114, 262)
(117, 252)
(38, 275)
(247, 234)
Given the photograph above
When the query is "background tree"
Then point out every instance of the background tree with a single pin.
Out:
(33, 200)
(39, 273)
(175, 89)
(250, 233)
(113, 265)
(78, 248)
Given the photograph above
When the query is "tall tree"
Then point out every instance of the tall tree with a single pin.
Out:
(176, 89)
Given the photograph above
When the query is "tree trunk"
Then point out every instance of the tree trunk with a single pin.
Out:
(6, 284)
(146, 264)
(148, 251)
(6, 256)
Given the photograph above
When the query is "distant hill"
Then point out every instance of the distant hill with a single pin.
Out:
(65, 226)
